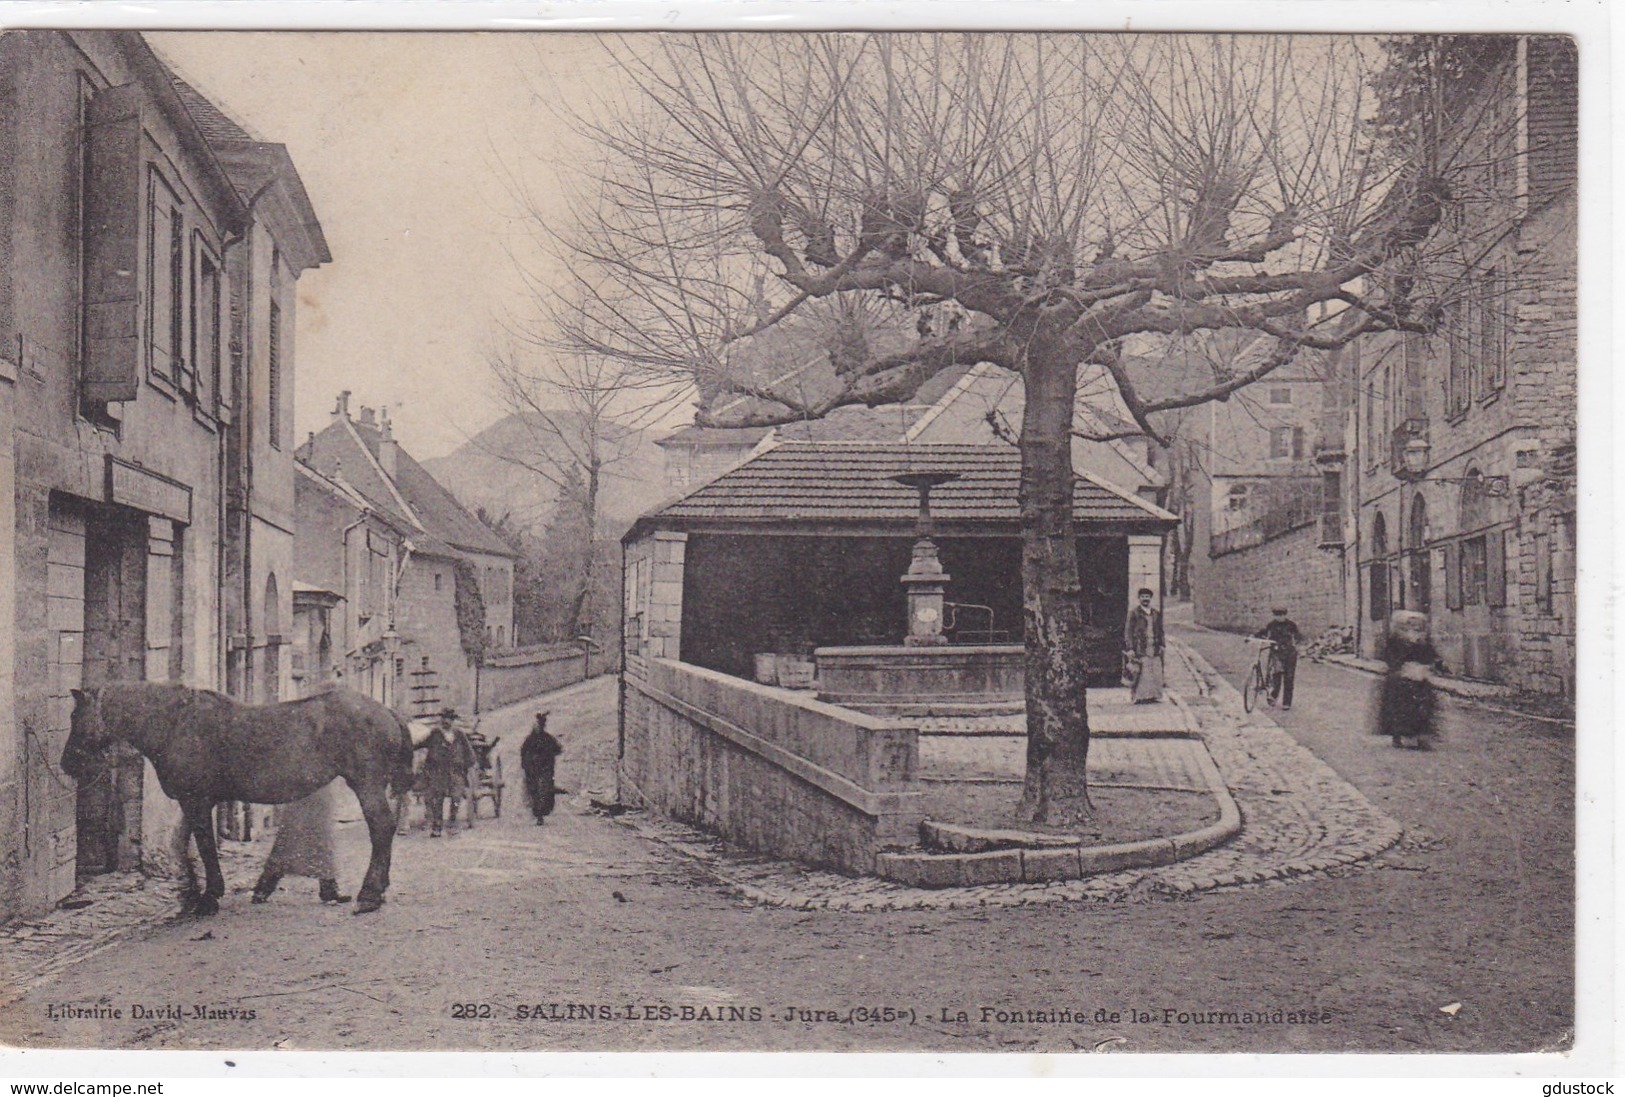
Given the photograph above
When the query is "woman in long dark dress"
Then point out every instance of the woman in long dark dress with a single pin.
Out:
(1405, 713)
(538, 756)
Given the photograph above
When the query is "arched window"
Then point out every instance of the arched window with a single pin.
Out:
(272, 618)
(1379, 568)
(1421, 573)
(1474, 501)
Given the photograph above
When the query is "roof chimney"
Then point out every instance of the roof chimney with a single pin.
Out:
(367, 416)
(341, 410)
(388, 448)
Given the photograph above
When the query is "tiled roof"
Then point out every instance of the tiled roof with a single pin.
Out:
(439, 511)
(338, 454)
(213, 121)
(887, 423)
(850, 483)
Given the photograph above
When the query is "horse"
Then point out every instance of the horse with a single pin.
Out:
(208, 749)
(537, 757)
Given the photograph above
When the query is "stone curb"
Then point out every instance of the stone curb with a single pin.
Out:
(980, 856)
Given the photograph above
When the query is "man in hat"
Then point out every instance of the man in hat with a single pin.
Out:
(445, 769)
(1285, 636)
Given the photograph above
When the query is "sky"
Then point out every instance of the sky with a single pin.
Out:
(405, 143)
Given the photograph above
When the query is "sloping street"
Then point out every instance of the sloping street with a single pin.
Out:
(584, 935)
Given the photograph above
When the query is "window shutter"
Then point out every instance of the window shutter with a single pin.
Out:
(112, 245)
(1495, 552)
(1452, 575)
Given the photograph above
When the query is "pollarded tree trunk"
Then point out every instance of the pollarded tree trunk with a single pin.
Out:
(1056, 788)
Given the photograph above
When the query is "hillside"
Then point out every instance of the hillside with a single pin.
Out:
(478, 473)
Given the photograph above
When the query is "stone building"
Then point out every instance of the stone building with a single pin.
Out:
(802, 547)
(148, 254)
(347, 551)
(1261, 470)
(1463, 458)
(431, 660)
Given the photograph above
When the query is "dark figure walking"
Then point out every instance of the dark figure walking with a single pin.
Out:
(537, 756)
(445, 770)
(1405, 713)
(1284, 634)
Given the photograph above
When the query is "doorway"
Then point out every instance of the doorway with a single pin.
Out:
(108, 807)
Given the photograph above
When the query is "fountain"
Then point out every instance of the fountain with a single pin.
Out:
(925, 675)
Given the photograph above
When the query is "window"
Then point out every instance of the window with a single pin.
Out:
(205, 350)
(1387, 401)
(1331, 503)
(1476, 334)
(165, 291)
(1474, 571)
(1379, 568)
(437, 582)
(1370, 441)
(274, 386)
(1543, 573)
(1286, 442)
(1497, 287)
(1236, 498)
(1280, 396)
(1456, 346)
(1421, 561)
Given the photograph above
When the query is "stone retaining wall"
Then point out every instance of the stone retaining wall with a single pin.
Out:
(1238, 589)
(509, 678)
(767, 769)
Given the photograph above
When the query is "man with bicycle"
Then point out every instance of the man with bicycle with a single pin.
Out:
(1285, 636)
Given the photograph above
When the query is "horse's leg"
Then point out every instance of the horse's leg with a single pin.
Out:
(381, 829)
(200, 818)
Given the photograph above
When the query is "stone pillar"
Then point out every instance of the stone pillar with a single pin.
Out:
(926, 583)
(1145, 567)
(663, 613)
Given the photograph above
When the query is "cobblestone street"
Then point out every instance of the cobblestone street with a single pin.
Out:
(600, 933)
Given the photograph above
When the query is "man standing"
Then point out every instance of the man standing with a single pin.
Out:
(445, 770)
(1142, 649)
(1286, 637)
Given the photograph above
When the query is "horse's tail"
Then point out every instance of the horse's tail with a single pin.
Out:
(401, 779)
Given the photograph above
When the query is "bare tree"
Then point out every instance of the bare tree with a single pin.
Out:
(1079, 198)
(580, 417)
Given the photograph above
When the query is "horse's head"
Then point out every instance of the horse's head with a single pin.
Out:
(89, 737)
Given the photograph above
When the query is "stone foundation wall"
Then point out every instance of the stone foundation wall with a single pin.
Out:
(767, 769)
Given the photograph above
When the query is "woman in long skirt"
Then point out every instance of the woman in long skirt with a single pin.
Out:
(1405, 713)
(303, 847)
(1142, 649)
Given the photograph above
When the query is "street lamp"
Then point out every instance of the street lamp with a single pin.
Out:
(1414, 458)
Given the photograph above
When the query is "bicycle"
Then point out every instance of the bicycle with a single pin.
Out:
(1264, 679)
